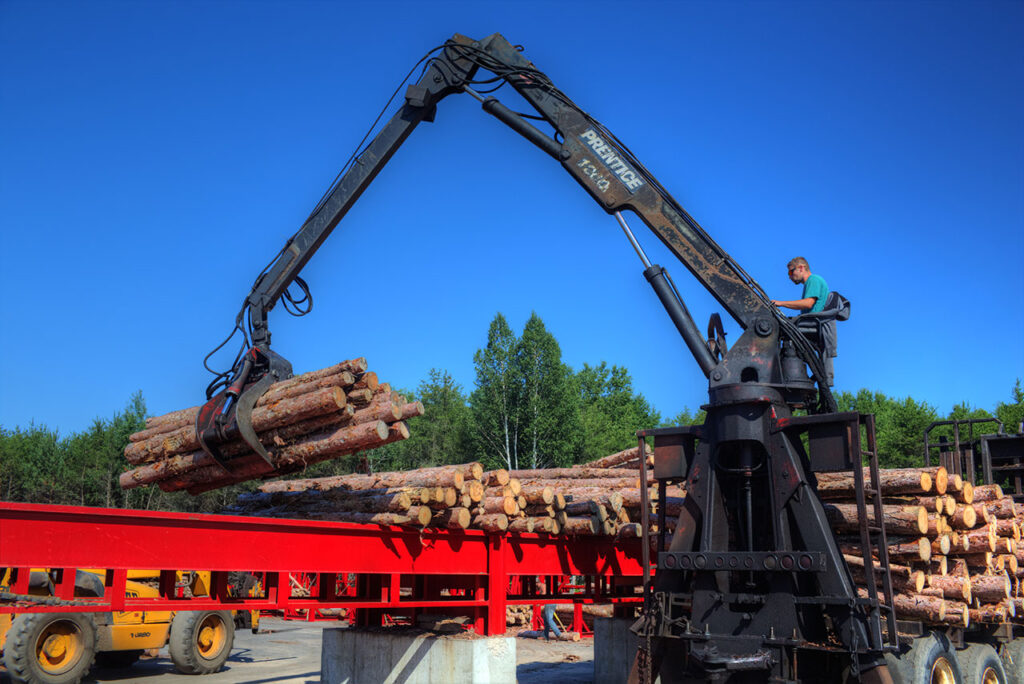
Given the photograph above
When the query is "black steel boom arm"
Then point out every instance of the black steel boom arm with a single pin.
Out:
(607, 171)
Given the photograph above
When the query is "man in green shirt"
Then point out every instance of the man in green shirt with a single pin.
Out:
(815, 289)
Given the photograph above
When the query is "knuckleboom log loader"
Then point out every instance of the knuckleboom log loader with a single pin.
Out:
(59, 648)
(754, 577)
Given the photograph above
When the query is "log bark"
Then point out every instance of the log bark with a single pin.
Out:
(575, 527)
(951, 586)
(496, 478)
(505, 505)
(452, 518)
(521, 525)
(491, 522)
(185, 440)
(990, 588)
(894, 481)
(538, 494)
(617, 458)
(985, 493)
(897, 519)
(909, 551)
(964, 518)
(988, 614)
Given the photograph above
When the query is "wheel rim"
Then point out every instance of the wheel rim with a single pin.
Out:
(942, 672)
(211, 637)
(989, 676)
(59, 647)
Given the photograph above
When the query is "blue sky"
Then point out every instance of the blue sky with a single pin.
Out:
(155, 155)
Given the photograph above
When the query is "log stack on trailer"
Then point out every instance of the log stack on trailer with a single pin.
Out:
(954, 549)
(320, 415)
(583, 500)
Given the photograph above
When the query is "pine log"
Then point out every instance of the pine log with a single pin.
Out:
(293, 387)
(1007, 528)
(957, 613)
(452, 518)
(893, 481)
(312, 449)
(982, 538)
(952, 586)
(610, 500)
(515, 485)
(1001, 509)
(940, 545)
(617, 458)
(915, 550)
(956, 482)
(367, 380)
(927, 608)
(546, 525)
(412, 409)
(575, 472)
(185, 439)
(964, 518)
(896, 519)
(475, 489)
(491, 522)
(965, 495)
(538, 494)
(496, 478)
(505, 505)
(360, 397)
(988, 614)
(386, 411)
(369, 518)
(421, 515)
(575, 527)
(986, 493)
(520, 525)
(582, 508)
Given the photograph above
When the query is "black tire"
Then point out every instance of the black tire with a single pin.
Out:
(201, 640)
(1012, 655)
(117, 660)
(981, 665)
(50, 648)
(930, 660)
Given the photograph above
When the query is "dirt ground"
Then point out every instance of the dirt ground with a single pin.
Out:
(288, 652)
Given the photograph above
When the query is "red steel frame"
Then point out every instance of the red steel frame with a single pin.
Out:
(398, 570)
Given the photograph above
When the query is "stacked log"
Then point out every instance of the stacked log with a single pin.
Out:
(320, 415)
(958, 542)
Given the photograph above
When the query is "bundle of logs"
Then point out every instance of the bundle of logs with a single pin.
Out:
(954, 549)
(589, 499)
(306, 419)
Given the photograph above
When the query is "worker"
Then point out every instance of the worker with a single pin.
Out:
(548, 618)
(815, 289)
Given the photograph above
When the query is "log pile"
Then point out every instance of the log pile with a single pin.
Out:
(588, 499)
(324, 414)
(954, 549)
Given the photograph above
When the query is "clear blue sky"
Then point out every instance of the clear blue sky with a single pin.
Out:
(155, 155)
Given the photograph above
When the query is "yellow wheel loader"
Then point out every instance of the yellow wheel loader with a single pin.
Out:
(61, 648)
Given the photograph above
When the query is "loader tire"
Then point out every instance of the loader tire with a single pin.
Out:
(201, 640)
(930, 660)
(1012, 655)
(981, 665)
(50, 648)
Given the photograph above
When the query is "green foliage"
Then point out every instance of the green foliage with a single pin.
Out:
(899, 425)
(684, 417)
(611, 412)
(1012, 414)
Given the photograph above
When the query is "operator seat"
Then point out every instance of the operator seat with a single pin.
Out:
(820, 329)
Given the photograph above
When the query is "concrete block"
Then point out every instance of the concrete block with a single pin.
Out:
(614, 649)
(353, 656)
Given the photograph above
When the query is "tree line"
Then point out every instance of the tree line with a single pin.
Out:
(526, 409)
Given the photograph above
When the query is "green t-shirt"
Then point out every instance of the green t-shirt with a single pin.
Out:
(815, 286)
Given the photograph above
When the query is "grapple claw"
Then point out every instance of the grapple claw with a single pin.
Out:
(228, 414)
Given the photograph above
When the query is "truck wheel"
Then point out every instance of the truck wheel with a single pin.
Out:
(981, 665)
(1012, 655)
(201, 640)
(930, 660)
(50, 648)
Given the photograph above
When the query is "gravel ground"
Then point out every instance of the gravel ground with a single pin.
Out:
(288, 652)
